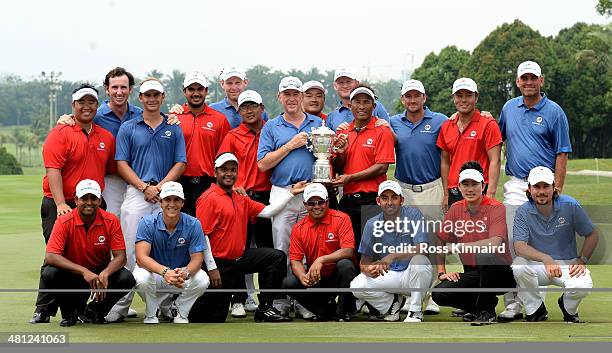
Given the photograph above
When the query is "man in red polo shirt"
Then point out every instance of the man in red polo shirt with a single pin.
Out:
(325, 239)
(243, 142)
(476, 229)
(204, 129)
(72, 153)
(224, 215)
(314, 98)
(364, 152)
(79, 257)
(468, 136)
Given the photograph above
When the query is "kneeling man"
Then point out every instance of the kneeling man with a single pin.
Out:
(169, 254)
(545, 230)
(79, 257)
(393, 259)
(476, 229)
(325, 238)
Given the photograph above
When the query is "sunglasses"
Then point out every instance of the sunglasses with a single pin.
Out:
(315, 203)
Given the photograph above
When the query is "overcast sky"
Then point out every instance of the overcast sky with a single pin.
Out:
(84, 39)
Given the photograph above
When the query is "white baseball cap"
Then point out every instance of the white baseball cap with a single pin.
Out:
(315, 189)
(465, 83)
(249, 96)
(85, 91)
(541, 174)
(528, 67)
(88, 186)
(344, 72)
(389, 185)
(171, 188)
(151, 85)
(365, 90)
(195, 77)
(290, 82)
(313, 84)
(471, 174)
(412, 85)
(224, 158)
(232, 71)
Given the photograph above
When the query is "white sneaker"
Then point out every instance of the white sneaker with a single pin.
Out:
(512, 312)
(238, 310)
(302, 311)
(114, 316)
(250, 305)
(406, 307)
(132, 313)
(151, 320)
(432, 308)
(179, 319)
(414, 316)
(394, 311)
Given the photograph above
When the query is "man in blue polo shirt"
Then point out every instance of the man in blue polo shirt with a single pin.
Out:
(417, 157)
(169, 252)
(545, 230)
(393, 259)
(233, 81)
(150, 152)
(282, 149)
(536, 133)
(345, 82)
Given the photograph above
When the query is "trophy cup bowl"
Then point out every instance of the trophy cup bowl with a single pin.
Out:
(321, 145)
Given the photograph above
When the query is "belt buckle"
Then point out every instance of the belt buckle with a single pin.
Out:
(417, 188)
(195, 180)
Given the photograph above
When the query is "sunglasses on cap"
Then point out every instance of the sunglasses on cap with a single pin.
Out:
(315, 203)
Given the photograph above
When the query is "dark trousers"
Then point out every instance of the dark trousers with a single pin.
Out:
(454, 194)
(270, 264)
(261, 232)
(76, 302)
(45, 302)
(490, 273)
(360, 207)
(323, 304)
(193, 187)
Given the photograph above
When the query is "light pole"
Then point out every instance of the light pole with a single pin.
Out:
(52, 79)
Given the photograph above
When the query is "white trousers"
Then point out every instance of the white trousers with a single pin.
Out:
(428, 201)
(531, 274)
(417, 275)
(283, 222)
(134, 207)
(114, 193)
(150, 286)
(514, 197)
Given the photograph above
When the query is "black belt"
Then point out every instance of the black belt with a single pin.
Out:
(197, 179)
(359, 195)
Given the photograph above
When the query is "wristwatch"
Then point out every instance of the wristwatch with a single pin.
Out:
(584, 259)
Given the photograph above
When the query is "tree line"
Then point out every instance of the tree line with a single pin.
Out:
(576, 64)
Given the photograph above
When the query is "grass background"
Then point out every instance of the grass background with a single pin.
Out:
(22, 251)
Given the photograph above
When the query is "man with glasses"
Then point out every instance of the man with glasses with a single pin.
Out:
(325, 239)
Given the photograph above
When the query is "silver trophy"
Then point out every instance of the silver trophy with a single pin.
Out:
(321, 145)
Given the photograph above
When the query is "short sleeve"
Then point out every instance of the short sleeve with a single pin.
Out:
(497, 222)
(445, 234)
(180, 154)
(55, 151)
(493, 135)
(385, 149)
(345, 233)
(266, 142)
(441, 142)
(366, 245)
(57, 239)
(144, 232)
(520, 228)
(296, 248)
(117, 241)
(197, 243)
(560, 132)
(582, 222)
(420, 236)
(254, 208)
(123, 143)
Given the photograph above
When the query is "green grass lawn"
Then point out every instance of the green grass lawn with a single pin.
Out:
(22, 249)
